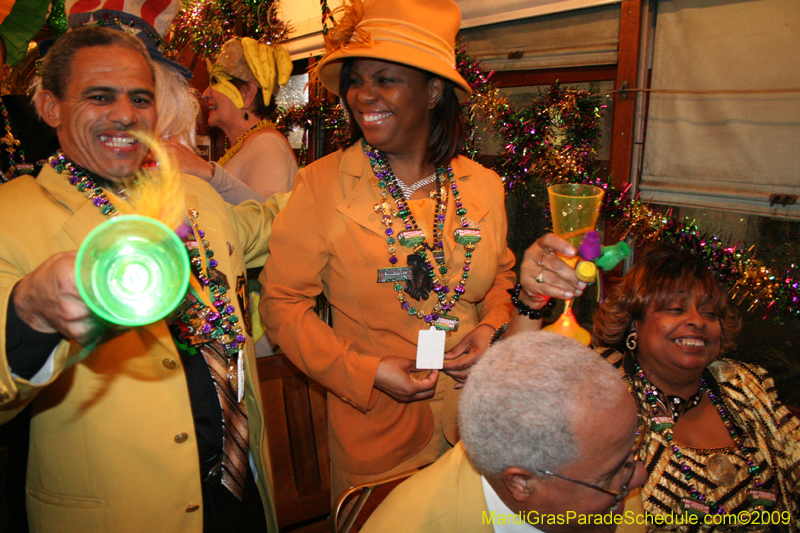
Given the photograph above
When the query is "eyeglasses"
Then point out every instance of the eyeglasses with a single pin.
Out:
(628, 468)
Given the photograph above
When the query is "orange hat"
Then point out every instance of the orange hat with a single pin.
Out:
(415, 33)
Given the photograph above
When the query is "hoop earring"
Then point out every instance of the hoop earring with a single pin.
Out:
(630, 342)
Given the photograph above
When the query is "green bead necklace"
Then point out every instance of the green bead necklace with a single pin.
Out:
(413, 237)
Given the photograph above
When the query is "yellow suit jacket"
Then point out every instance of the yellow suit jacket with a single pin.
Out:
(330, 239)
(112, 443)
(447, 497)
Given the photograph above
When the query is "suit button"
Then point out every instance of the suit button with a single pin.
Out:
(192, 508)
(169, 363)
(350, 402)
(180, 438)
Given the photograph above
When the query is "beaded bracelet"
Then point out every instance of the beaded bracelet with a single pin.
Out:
(533, 314)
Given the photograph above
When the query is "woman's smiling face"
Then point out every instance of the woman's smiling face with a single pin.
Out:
(391, 104)
(681, 336)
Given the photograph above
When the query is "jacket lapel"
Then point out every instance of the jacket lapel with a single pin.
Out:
(476, 210)
(359, 204)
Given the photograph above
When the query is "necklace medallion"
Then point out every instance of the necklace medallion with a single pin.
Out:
(721, 469)
(425, 275)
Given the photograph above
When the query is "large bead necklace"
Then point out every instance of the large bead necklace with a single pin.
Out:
(233, 150)
(13, 147)
(220, 323)
(664, 424)
(81, 180)
(414, 238)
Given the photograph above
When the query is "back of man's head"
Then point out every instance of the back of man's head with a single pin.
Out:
(57, 63)
(521, 402)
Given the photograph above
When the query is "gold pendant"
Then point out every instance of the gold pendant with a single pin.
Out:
(721, 469)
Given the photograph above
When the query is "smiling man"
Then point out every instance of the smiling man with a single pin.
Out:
(550, 440)
(139, 430)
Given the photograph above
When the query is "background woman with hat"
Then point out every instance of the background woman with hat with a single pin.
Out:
(244, 81)
(401, 234)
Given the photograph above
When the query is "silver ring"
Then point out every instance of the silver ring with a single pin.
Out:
(539, 263)
(539, 278)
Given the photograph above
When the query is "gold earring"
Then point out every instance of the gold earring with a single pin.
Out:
(630, 342)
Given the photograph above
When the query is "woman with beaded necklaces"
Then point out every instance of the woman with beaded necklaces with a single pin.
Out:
(241, 102)
(720, 443)
(406, 239)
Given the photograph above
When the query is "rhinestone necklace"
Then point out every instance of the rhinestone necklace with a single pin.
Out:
(409, 190)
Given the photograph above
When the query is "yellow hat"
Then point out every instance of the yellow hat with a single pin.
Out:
(415, 33)
(268, 65)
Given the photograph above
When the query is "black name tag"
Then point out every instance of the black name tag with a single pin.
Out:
(394, 274)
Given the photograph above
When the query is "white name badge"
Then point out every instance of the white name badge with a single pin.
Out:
(241, 376)
(430, 349)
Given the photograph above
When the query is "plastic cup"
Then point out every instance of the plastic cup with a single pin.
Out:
(574, 208)
(132, 270)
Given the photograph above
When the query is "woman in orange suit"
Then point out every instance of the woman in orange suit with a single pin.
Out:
(406, 239)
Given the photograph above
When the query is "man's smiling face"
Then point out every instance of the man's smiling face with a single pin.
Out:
(110, 93)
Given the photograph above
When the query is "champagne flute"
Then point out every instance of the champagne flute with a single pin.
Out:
(574, 209)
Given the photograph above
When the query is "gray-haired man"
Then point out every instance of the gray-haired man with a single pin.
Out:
(549, 442)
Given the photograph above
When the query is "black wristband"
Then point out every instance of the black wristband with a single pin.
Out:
(533, 314)
(27, 350)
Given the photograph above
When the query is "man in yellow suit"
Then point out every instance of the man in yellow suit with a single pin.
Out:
(550, 442)
(132, 433)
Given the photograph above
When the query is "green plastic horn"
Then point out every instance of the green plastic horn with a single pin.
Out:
(132, 270)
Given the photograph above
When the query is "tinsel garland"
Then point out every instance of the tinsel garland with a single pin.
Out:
(555, 141)
(328, 116)
(206, 24)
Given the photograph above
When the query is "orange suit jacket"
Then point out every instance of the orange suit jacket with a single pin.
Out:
(330, 240)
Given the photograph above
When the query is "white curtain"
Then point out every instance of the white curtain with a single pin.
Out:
(726, 151)
(572, 39)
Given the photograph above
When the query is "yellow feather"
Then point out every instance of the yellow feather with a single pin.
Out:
(158, 194)
(345, 33)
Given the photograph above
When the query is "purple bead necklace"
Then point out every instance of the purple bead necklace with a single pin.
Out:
(389, 186)
(651, 393)
(81, 180)
(223, 323)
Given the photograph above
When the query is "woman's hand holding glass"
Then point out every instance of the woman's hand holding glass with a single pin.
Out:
(543, 273)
